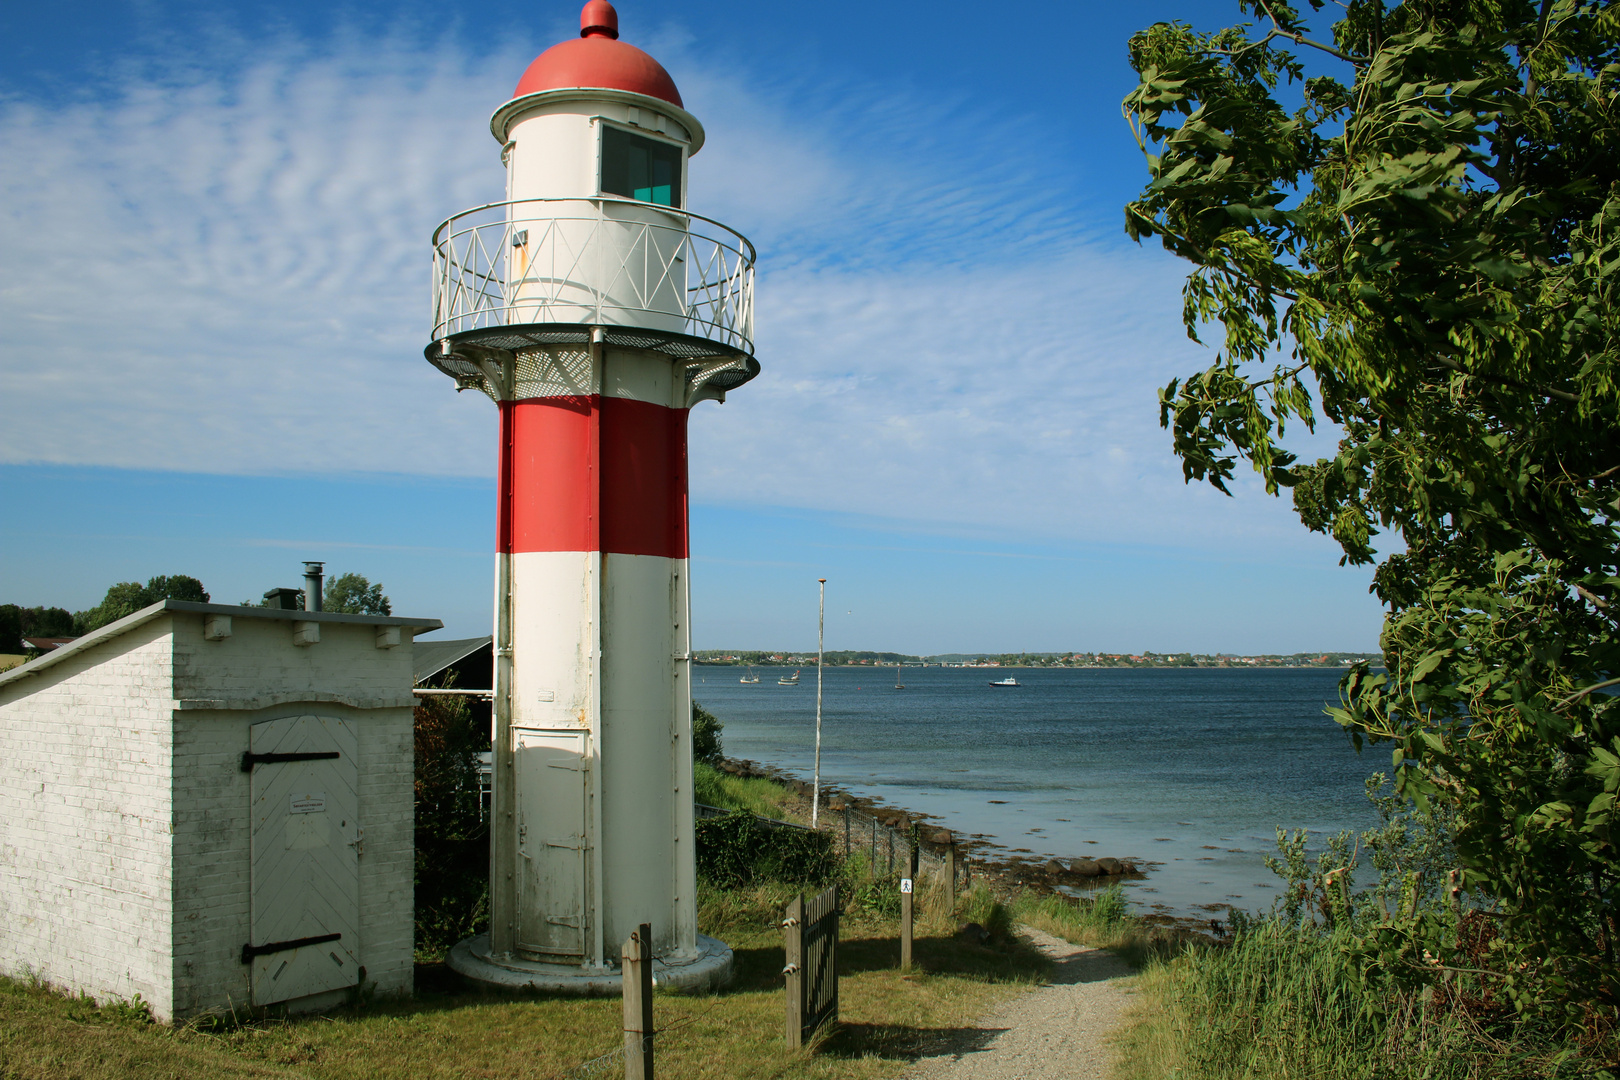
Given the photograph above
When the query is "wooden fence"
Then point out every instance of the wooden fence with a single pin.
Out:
(887, 848)
(810, 933)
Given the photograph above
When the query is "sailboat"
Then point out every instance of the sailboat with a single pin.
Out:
(898, 685)
(750, 677)
(789, 680)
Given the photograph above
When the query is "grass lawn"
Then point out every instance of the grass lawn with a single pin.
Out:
(10, 660)
(449, 1030)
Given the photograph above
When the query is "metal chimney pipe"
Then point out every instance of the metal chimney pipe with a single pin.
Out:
(312, 585)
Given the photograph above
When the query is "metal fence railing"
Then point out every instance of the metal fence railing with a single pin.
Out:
(600, 261)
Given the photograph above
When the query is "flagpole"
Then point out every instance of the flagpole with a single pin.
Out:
(821, 641)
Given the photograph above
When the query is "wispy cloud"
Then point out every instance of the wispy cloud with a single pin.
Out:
(225, 270)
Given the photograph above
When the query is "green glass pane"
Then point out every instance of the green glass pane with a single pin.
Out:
(640, 168)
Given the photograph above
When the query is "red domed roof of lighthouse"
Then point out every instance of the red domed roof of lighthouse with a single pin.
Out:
(598, 59)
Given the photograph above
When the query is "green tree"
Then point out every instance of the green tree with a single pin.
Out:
(19, 622)
(452, 837)
(11, 628)
(128, 597)
(352, 594)
(706, 728)
(1423, 249)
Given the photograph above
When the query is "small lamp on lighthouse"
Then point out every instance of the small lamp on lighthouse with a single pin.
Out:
(596, 310)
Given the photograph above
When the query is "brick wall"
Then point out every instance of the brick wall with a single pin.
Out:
(85, 887)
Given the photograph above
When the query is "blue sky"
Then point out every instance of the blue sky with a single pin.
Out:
(213, 300)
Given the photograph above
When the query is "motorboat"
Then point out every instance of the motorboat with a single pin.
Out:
(788, 680)
(1008, 681)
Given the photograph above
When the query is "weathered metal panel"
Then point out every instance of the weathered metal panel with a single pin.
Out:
(305, 844)
(553, 838)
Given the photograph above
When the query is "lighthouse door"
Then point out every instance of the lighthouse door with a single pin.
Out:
(552, 841)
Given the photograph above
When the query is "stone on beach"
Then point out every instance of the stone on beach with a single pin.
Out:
(1086, 867)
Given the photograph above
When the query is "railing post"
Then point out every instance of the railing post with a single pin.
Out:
(846, 830)
(950, 873)
(636, 964)
(793, 950)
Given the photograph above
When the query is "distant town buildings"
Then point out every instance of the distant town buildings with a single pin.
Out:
(1042, 660)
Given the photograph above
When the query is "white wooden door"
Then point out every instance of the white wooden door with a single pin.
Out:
(305, 878)
(552, 842)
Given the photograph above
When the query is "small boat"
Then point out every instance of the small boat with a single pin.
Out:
(749, 678)
(898, 685)
(1008, 681)
(788, 680)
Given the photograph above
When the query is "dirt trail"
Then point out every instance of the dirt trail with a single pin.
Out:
(1057, 1031)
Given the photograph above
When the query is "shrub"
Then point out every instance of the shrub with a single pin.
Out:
(706, 728)
(878, 896)
(737, 850)
(452, 838)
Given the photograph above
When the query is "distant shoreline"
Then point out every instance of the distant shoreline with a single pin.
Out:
(1144, 665)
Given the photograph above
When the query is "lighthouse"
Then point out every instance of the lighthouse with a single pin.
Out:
(596, 310)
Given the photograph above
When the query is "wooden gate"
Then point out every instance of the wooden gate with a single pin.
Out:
(552, 843)
(811, 942)
(304, 880)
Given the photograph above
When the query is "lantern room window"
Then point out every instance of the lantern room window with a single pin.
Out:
(640, 168)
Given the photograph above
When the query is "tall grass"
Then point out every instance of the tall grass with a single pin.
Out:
(758, 796)
(1101, 920)
(1294, 1000)
(1400, 981)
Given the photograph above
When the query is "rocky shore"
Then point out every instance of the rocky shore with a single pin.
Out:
(1002, 868)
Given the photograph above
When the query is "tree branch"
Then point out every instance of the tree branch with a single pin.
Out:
(1258, 383)
(1300, 39)
(1598, 600)
(1577, 695)
(1452, 365)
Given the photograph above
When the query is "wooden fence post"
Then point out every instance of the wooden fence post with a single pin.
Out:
(905, 923)
(793, 948)
(636, 963)
(950, 873)
(846, 830)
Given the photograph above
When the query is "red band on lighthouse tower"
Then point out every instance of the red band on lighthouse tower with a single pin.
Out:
(588, 473)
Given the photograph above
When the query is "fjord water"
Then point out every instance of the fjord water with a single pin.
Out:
(1188, 770)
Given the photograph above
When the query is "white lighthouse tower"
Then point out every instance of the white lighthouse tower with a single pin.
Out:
(596, 310)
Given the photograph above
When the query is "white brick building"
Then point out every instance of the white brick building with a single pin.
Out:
(211, 806)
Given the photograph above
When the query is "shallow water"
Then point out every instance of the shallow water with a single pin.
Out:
(1189, 770)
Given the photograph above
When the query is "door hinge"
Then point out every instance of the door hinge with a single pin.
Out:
(250, 951)
(251, 759)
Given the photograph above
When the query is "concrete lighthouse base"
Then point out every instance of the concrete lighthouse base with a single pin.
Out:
(709, 970)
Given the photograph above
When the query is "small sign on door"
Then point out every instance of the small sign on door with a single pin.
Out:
(905, 885)
(312, 802)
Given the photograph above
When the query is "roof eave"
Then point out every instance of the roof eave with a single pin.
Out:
(500, 124)
(152, 611)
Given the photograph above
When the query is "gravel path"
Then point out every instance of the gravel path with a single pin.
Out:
(1056, 1031)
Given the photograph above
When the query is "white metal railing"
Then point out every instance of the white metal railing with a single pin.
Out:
(600, 261)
